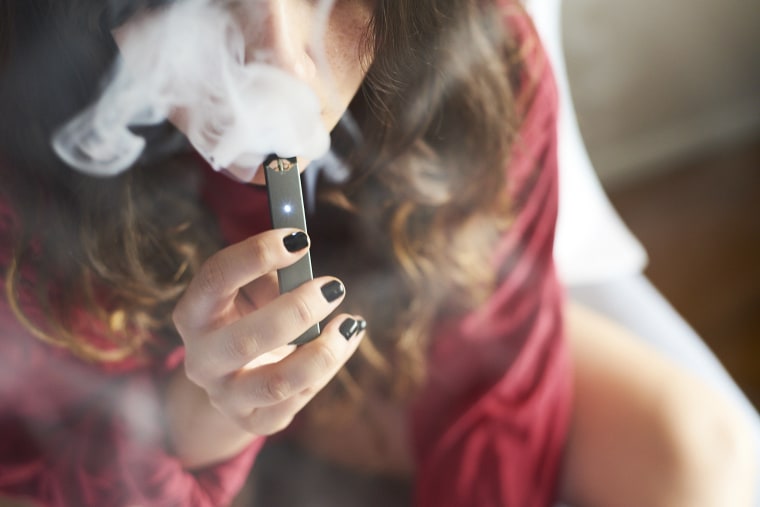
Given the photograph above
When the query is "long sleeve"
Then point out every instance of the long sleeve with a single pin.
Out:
(92, 456)
(80, 434)
(74, 436)
(489, 428)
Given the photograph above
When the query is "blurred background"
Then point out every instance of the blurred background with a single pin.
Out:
(668, 100)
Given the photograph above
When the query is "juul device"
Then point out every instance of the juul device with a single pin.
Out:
(287, 210)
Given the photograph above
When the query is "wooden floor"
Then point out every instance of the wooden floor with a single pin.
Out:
(700, 224)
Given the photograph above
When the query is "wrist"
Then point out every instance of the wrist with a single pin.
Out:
(197, 433)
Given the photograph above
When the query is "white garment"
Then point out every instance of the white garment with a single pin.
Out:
(592, 243)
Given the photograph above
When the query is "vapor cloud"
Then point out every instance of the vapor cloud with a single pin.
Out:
(190, 58)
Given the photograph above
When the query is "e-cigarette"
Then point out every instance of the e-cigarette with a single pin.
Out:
(287, 210)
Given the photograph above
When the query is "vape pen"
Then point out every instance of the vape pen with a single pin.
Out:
(287, 210)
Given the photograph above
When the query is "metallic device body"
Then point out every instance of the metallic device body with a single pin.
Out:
(287, 210)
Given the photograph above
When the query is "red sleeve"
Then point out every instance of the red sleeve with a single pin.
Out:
(79, 434)
(489, 427)
(101, 453)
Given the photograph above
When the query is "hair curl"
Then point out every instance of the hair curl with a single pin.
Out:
(424, 204)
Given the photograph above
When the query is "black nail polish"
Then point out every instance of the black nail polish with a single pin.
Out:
(333, 290)
(362, 325)
(296, 241)
(349, 328)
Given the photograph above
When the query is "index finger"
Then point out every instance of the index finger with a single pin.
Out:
(213, 289)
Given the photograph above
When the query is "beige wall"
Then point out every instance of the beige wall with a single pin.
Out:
(654, 81)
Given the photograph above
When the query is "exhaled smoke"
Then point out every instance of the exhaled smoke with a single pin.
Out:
(189, 60)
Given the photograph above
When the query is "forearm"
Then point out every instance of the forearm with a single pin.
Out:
(646, 433)
(198, 434)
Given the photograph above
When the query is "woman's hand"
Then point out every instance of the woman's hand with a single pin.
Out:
(236, 328)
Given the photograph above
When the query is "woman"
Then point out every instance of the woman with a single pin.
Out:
(143, 361)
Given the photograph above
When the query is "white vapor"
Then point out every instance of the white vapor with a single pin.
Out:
(191, 58)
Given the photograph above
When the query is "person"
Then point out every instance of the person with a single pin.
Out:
(144, 343)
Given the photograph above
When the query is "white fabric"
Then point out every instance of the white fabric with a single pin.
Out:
(601, 261)
(592, 243)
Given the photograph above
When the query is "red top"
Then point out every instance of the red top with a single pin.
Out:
(488, 428)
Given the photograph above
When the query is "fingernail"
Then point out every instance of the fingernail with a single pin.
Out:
(333, 290)
(296, 241)
(362, 325)
(349, 328)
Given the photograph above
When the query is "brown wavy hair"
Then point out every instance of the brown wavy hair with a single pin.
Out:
(410, 232)
(427, 200)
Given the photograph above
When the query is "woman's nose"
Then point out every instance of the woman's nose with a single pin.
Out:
(279, 34)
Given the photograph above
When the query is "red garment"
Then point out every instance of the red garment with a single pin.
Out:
(488, 429)
(74, 434)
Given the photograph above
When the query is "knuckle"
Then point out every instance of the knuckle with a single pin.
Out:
(310, 391)
(242, 344)
(275, 389)
(302, 313)
(211, 277)
(263, 254)
(323, 357)
(249, 423)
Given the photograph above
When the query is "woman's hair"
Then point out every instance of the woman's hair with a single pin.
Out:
(427, 194)
(410, 232)
(121, 249)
